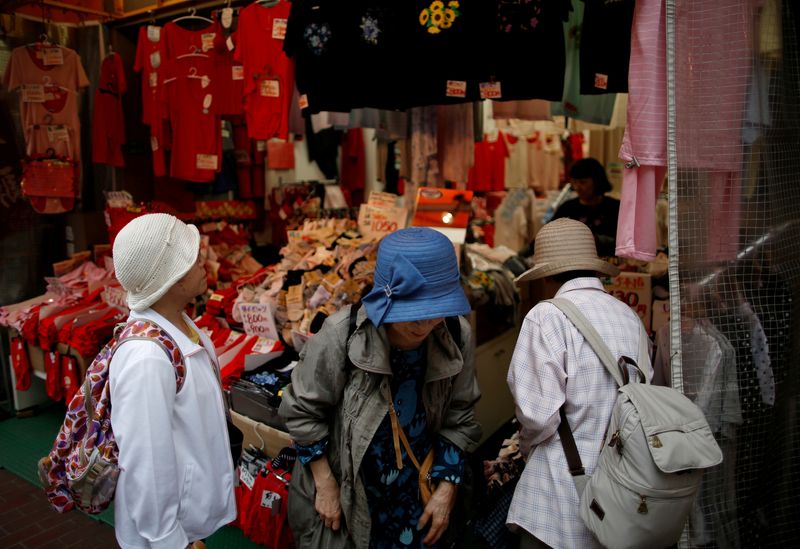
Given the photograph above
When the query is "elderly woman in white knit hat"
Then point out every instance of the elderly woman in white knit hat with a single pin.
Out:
(555, 374)
(176, 482)
(381, 406)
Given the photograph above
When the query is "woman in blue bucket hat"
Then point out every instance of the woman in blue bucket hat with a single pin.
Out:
(384, 390)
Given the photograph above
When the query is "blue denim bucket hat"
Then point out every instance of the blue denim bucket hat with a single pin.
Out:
(416, 278)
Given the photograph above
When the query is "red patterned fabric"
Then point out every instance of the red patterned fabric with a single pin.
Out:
(70, 376)
(21, 364)
(86, 431)
(52, 369)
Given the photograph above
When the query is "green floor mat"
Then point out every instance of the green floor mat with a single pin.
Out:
(24, 440)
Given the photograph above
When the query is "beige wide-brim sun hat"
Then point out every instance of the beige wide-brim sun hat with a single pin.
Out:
(565, 245)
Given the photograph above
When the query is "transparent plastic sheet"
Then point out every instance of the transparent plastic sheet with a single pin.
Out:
(734, 169)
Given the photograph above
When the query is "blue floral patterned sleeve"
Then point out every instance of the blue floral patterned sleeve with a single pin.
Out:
(312, 452)
(448, 462)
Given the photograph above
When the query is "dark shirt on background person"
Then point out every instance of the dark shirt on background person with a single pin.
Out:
(592, 208)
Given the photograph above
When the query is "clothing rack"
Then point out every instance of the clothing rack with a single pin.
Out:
(750, 250)
(169, 9)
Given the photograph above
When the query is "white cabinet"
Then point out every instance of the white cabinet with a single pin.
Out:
(492, 359)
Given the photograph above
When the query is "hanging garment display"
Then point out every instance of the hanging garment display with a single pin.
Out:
(151, 58)
(48, 78)
(190, 89)
(596, 109)
(644, 145)
(268, 72)
(108, 122)
(515, 28)
(605, 46)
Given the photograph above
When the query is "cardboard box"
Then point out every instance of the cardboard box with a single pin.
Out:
(635, 290)
(271, 441)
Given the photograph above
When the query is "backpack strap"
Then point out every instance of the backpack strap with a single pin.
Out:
(147, 330)
(617, 369)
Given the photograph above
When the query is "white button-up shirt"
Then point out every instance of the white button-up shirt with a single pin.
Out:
(176, 479)
(553, 364)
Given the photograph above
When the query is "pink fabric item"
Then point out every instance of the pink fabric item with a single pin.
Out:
(725, 190)
(61, 85)
(532, 109)
(646, 131)
(713, 55)
(636, 228)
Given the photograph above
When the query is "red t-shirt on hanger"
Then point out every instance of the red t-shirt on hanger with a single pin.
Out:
(189, 93)
(268, 72)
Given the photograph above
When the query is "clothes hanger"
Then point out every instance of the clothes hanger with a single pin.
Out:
(193, 53)
(43, 42)
(192, 15)
(267, 3)
(47, 82)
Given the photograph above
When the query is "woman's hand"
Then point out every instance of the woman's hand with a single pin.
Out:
(438, 511)
(327, 502)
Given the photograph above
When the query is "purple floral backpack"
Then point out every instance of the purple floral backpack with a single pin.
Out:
(81, 470)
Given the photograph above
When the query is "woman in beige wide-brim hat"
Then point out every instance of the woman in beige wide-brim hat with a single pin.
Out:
(565, 245)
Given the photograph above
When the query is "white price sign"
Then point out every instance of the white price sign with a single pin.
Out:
(376, 221)
(258, 320)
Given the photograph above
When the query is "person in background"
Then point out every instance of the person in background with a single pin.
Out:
(175, 486)
(592, 208)
(401, 374)
(554, 366)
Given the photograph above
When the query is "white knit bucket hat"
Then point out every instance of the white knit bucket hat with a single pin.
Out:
(565, 245)
(151, 254)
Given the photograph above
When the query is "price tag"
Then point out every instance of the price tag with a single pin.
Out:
(601, 81)
(33, 93)
(208, 40)
(490, 90)
(303, 102)
(153, 79)
(207, 102)
(204, 82)
(456, 88)
(246, 478)
(226, 18)
(261, 145)
(271, 501)
(229, 44)
(279, 28)
(206, 162)
(258, 319)
(270, 88)
(237, 72)
(377, 221)
(153, 33)
(53, 56)
(153, 143)
(264, 346)
(57, 133)
(155, 59)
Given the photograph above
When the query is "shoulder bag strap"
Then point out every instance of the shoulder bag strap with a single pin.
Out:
(574, 462)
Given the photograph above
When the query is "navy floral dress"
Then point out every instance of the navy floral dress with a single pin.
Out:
(393, 495)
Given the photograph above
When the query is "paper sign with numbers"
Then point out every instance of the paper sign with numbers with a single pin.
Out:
(270, 88)
(258, 319)
(378, 221)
